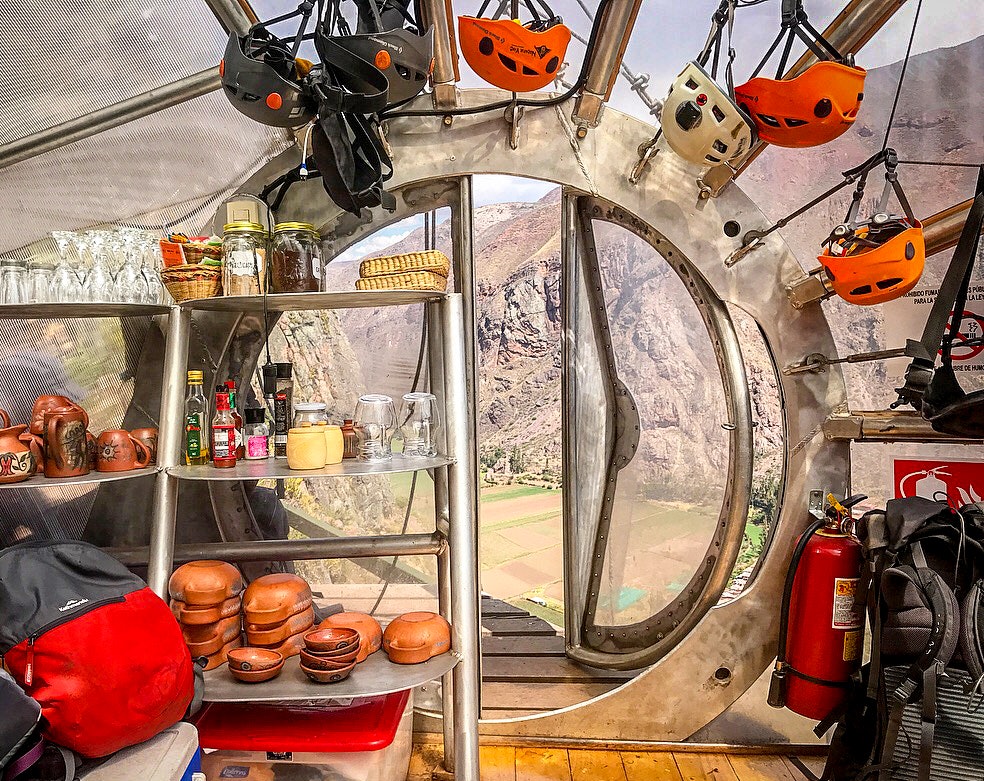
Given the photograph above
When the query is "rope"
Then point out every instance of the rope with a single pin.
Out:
(905, 66)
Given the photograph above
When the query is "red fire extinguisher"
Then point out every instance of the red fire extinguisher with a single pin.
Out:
(821, 630)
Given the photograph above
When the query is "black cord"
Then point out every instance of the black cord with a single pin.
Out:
(905, 66)
(940, 164)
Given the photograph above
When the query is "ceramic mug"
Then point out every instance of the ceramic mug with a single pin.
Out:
(148, 436)
(65, 446)
(118, 451)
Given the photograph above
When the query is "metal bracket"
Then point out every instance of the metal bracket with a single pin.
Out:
(514, 117)
(816, 504)
(808, 290)
(751, 242)
(647, 152)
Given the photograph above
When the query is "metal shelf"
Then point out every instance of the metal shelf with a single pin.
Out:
(376, 675)
(293, 302)
(40, 481)
(277, 468)
(68, 311)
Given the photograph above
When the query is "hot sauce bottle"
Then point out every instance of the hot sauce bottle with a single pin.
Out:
(223, 433)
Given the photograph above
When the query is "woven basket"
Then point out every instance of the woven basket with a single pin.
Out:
(195, 253)
(432, 261)
(412, 280)
(186, 282)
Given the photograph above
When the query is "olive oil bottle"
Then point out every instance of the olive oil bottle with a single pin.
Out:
(196, 421)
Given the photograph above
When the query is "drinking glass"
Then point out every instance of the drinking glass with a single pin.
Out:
(130, 282)
(375, 423)
(419, 422)
(66, 284)
(13, 281)
(40, 276)
(150, 265)
(99, 285)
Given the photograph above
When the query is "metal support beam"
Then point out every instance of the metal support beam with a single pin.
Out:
(445, 73)
(294, 550)
(121, 113)
(165, 508)
(886, 426)
(606, 59)
(233, 15)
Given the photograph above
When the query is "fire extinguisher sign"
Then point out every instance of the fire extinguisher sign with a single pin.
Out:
(960, 481)
(847, 614)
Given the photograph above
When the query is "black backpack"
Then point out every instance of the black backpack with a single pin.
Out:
(925, 598)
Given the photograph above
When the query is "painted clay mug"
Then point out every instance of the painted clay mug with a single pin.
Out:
(118, 451)
(18, 457)
(65, 443)
(147, 436)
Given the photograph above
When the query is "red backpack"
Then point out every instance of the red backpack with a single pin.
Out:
(89, 641)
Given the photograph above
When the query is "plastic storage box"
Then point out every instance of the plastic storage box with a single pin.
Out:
(363, 739)
(172, 755)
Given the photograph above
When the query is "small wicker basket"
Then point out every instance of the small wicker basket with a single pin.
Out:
(195, 253)
(195, 281)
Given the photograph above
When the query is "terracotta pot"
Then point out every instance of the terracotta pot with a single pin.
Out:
(301, 622)
(415, 637)
(197, 615)
(328, 676)
(65, 448)
(315, 662)
(292, 646)
(206, 582)
(331, 639)
(256, 676)
(370, 632)
(18, 458)
(251, 660)
(272, 599)
(118, 451)
(219, 659)
(45, 404)
(148, 436)
(200, 633)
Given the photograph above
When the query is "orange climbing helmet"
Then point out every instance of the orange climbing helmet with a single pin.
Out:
(817, 106)
(511, 55)
(812, 108)
(878, 259)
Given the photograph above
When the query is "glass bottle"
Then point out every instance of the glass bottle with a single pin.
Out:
(283, 407)
(269, 398)
(257, 434)
(196, 417)
(223, 433)
(240, 442)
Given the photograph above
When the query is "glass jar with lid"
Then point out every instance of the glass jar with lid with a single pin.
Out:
(295, 258)
(244, 255)
(312, 412)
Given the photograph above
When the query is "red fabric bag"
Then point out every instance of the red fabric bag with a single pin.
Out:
(98, 650)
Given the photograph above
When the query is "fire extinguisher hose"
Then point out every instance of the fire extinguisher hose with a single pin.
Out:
(787, 589)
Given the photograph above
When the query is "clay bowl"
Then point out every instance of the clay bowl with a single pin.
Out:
(197, 615)
(415, 637)
(370, 632)
(257, 676)
(272, 599)
(338, 653)
(202, 633)
(218, 659)
(314, 662)
(292, 626)
(292, 646)
(331, 639)
(205, 582)
(253, 660)
(328, 676)
(225, 633)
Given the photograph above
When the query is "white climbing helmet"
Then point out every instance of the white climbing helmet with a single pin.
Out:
(702, 123)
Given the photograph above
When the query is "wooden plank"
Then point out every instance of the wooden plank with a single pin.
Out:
(650, 766)
(760, 768)
(535, 645)
(542, 764)
(537, 670)
(547, 696)
(813, 764)
(498, 763)
(423, 760)
(496, 608)
(596, 766)
(704, 767)
(518, 626)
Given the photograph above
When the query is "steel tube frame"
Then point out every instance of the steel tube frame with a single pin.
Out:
(462, 538)
(293, 550)
(445, 72)
(161, 549)
(117, 114)
(234, 15)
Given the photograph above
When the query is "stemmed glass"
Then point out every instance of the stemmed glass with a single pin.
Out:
(99, 284)
(131, 283)
(419, 422)
(150, 270)
(66, 286)
(375, 423)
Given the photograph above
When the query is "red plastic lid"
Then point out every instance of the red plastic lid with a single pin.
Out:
(368, 724)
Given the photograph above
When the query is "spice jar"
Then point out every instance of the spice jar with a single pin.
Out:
(257, 434)
(350, 438)
(309, 412)
(295, 258)
(244, 254)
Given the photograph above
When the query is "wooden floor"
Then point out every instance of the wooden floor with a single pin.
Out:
(511, 763)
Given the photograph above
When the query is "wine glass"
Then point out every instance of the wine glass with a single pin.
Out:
(66, 285)
(150, 270)
(130, 282)
(99, 285)
(419, 422)
(375, 423)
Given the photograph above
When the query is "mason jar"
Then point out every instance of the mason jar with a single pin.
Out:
(244, 257)
(295, 258)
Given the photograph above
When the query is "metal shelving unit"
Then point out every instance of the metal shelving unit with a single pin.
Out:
(277, 469)
(297, 302)
(40, 481)
(68, 311)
